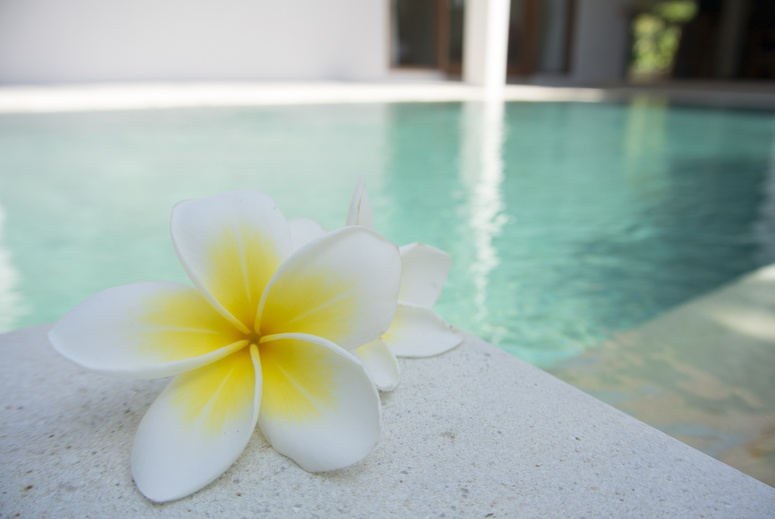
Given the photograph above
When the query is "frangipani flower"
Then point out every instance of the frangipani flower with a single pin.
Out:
(416, 331)
(262, 339)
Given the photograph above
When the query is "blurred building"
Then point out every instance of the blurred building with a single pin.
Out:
(548, 41)
(599, 41)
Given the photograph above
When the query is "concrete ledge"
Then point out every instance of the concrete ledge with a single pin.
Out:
(701, 372)
(133, 96)
(69, 98)
(473, 433)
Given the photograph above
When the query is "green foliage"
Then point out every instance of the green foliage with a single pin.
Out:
(656, 35)
(677, 11)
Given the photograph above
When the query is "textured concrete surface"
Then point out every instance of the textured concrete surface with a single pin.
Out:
(702, 373)
(473, 433)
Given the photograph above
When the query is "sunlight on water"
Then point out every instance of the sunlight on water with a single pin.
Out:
(482, 175)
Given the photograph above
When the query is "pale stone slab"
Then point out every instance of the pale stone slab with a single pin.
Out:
(147, 96)
(702, 372)
(473, 433)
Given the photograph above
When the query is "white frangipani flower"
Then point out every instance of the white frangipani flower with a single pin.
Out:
(262, 339)
(416, 331)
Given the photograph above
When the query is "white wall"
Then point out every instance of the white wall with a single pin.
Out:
(601, 40)
(45, 41)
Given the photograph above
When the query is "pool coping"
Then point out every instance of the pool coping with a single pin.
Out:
(472, 433)
(159, 95)
(700, 372)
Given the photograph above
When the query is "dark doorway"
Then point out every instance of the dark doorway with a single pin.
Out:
(427, 34)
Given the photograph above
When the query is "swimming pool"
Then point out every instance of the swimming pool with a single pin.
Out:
(566, 222)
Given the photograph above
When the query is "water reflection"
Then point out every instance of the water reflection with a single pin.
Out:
(481, 173)
(764, 227)
(11, 308)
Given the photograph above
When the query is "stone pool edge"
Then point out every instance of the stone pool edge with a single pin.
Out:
(470, 433)
(78, 97)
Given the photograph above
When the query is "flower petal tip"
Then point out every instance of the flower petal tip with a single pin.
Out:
(420, 332)
(380, 364)
(359, 212)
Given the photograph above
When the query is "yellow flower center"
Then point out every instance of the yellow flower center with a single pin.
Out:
(253, 338)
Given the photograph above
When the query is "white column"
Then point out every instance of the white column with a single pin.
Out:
(486, 34)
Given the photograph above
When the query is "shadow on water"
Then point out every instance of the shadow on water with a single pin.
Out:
(698, 233)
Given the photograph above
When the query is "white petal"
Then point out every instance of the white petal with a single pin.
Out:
(197, 427)
(359, 212)
(319, 406)
(424, 271)
(230, 245)
(341, 287)
(145, 330)
(304, 230)
(420, 332)
(380, 363)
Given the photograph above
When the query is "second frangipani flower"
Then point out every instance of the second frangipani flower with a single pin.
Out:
(262, 339)
(416, 331)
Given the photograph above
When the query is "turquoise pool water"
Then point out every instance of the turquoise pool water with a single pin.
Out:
(566, 222)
